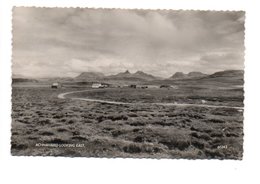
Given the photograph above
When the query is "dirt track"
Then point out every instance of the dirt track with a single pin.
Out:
(62, 96)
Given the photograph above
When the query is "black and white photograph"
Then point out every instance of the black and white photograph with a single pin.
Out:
(127, 83)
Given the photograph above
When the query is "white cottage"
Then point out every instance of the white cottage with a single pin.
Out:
(96, 85)
(55, 85)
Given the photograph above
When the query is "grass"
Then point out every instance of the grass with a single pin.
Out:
(146, 131)
(180, 95)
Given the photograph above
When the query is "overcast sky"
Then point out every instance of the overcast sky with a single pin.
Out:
(57, 42)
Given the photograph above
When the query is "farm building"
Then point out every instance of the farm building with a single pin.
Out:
(99, 85)
(203, 101)
(96, 85)
(56, 85)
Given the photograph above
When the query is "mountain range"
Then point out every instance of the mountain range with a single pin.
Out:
(142, 77)
(137, 76)
(228, 76)
(123, 76)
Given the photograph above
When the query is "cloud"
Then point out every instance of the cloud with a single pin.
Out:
(67, 41)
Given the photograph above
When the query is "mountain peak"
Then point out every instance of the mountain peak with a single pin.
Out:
(196, 74)
(126, 72)
(137, 76)
(90, 75)
(178, 75)
(181, 75)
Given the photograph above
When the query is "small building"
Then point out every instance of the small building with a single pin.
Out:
(56, 85)
(203, 101)
(99, 85)
(96, 85)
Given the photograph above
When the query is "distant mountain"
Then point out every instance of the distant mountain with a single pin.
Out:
(90, 76)
(139, 75)
(178, 75)
(122, 75)
(228, 73)
(181, 75)
(227, 77)
(145, 76)
(196, 74)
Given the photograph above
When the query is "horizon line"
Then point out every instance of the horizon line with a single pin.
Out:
(43, 77)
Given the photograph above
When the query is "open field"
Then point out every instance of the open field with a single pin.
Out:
(229, 97)
(109, 130)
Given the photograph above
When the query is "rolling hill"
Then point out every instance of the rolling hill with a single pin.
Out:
(228, 73)
(87, 76)
(181, 75)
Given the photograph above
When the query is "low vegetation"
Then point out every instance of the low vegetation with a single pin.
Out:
(109, 130)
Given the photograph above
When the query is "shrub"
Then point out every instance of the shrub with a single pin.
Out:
(197, 144)
(47, 133)
(132, 149)
(139, 139)
(44, 122)
(116, 133)
(179, 144)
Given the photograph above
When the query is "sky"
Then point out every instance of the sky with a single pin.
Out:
(64, 42)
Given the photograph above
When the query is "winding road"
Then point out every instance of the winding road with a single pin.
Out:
(62, 96)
